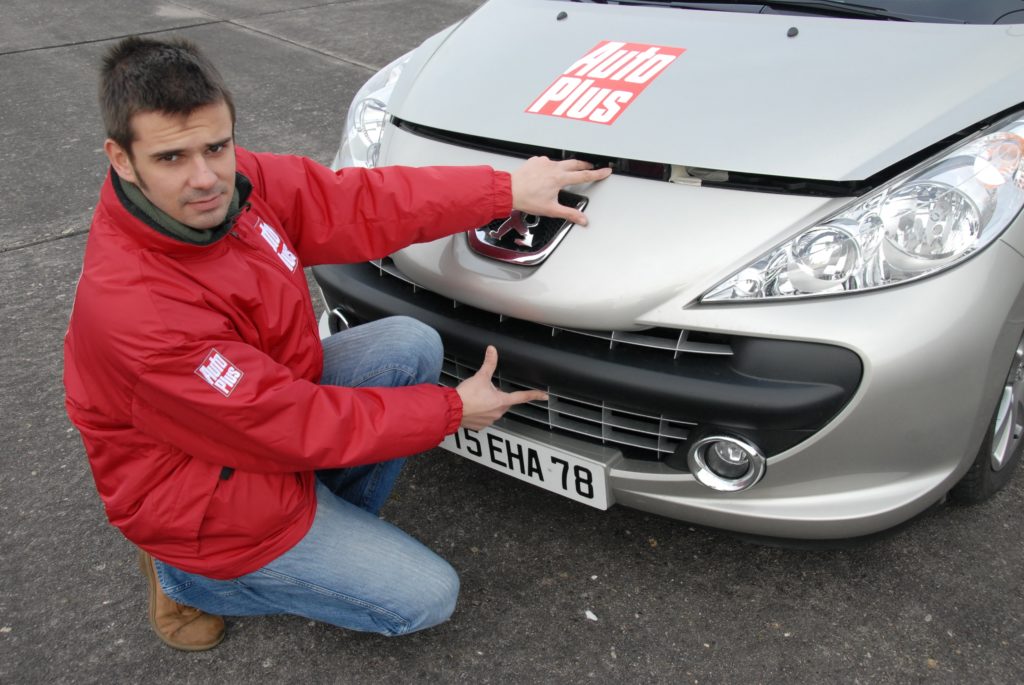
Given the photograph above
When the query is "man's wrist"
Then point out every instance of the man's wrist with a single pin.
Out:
(502, 194)
(454, 410)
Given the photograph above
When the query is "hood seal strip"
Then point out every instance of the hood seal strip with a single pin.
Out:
(712, 178)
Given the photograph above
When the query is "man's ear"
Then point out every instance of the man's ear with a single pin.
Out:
(120, 160)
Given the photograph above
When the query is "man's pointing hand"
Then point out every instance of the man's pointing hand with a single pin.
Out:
(536, 183)
(482, 403)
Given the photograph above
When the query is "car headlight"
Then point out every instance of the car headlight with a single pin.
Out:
(927, 220)
(367, 115)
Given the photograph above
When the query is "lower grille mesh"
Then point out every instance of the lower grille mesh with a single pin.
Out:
(639, 436)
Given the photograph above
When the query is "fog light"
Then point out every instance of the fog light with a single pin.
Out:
(725, 463)
(727, 460)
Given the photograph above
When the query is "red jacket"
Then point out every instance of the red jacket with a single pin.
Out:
(182, 359)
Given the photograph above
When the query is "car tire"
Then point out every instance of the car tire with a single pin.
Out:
(1003, 444)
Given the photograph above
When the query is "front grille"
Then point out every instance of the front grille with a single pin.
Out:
(672, 340)
(638, 435)
(613, 390)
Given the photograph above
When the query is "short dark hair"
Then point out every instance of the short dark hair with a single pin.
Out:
(147, 75)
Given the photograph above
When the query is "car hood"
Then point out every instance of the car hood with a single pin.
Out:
(840, 100)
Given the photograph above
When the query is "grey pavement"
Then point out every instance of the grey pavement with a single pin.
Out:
(939, 601)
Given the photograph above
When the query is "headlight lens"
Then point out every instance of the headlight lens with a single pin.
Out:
(927, 220)
(367, 115)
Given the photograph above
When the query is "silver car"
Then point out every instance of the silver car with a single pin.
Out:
(797, 310)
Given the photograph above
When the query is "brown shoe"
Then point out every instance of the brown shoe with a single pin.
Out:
(180, 626)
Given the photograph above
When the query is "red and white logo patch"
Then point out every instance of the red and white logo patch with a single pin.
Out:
(599, 86)
(278, 246)
(219, 372)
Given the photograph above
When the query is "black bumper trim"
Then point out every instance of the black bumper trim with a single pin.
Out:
(774, 392)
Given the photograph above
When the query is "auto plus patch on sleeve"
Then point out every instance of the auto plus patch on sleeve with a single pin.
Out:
(219, 372)
(599, 86)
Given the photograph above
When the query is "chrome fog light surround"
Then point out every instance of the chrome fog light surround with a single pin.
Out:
(337, 320)
(729, 452)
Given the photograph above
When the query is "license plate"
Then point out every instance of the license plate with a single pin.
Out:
(570, 475)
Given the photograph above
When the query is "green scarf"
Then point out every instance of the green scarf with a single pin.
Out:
(174, 227)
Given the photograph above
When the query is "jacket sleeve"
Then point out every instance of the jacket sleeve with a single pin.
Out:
(356, 214)
(225, 402)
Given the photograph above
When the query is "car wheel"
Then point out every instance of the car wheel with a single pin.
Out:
(1000, 451)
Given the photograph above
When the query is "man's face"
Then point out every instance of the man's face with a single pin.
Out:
(185, 165)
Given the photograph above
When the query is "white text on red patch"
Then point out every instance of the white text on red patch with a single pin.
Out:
(278, 246)
(219, 372)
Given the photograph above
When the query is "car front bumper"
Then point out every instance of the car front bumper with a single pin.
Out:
(895, 398)
(862, 438)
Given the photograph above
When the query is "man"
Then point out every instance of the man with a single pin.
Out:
(245, 458)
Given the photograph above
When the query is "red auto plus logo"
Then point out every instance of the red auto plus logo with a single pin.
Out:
(600, 85)
(219, 372)
(279, 247)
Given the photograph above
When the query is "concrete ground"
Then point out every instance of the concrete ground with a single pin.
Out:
(940, 601)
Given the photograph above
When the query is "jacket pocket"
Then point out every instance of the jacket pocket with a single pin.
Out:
(170, 516)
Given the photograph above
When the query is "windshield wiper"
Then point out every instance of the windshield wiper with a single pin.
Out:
(828, 8)
(853, 10)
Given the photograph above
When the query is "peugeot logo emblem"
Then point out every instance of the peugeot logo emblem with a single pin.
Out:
(521, 224)
(524, 239)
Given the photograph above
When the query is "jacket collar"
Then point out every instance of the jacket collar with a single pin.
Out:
(139, 228)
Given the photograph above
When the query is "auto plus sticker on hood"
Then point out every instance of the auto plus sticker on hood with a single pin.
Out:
(797, 110)
(599, 86)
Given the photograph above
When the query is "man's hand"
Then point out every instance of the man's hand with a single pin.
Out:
(536, 183)
(482, 403)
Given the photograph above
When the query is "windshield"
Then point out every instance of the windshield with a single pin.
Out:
(940, 11)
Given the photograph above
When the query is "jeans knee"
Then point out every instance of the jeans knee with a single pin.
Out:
(423, 346)
(436, 597)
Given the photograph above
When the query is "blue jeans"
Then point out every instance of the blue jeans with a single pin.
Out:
(351, 569)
